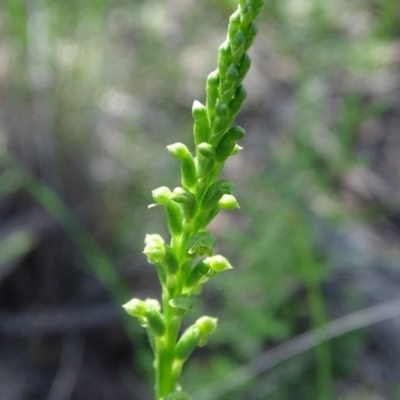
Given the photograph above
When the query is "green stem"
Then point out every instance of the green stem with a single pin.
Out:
(165, 379)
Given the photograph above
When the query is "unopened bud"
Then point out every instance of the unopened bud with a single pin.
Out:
(228, 86)
(218, 263)
(206, 159)
(155, 248)
(178, 150)
(228, 202)
(206, 325)
(246, 14)
(238, 46)
(236, 103)
(201, 127)
(161, 195)
(251, 34)
(257, 5)
(212, 89)
(244, 67)
(234, 24)
(224, 59)
(135, 307)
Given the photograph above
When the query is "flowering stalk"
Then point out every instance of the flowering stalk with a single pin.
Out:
(188, 261)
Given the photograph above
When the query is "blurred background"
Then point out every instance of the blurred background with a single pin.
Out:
(91, 92)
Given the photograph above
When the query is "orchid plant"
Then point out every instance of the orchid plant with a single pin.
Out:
(188, 260)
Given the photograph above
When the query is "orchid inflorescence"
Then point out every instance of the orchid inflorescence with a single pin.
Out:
(188, 261)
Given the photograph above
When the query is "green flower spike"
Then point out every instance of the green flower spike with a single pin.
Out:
(187, 262)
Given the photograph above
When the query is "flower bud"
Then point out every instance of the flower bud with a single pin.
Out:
(187, 343)
(235, 133)
(199, 111)
(174, 217)
(201, 127)
(215, 192)
(218, 263)
(236, 103)
(206, 150)
(135, 307)
(161, 195)
(206, 159)
(155, 248)
(228, 202)
(251, 34)
(178, 150)
(257, 5)
(238, 46)
(206, 325)
(246, 14)
(224, 59)
(228, 86)
(221, 109)
(244, 67)
(212, 93)
(234, 24)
